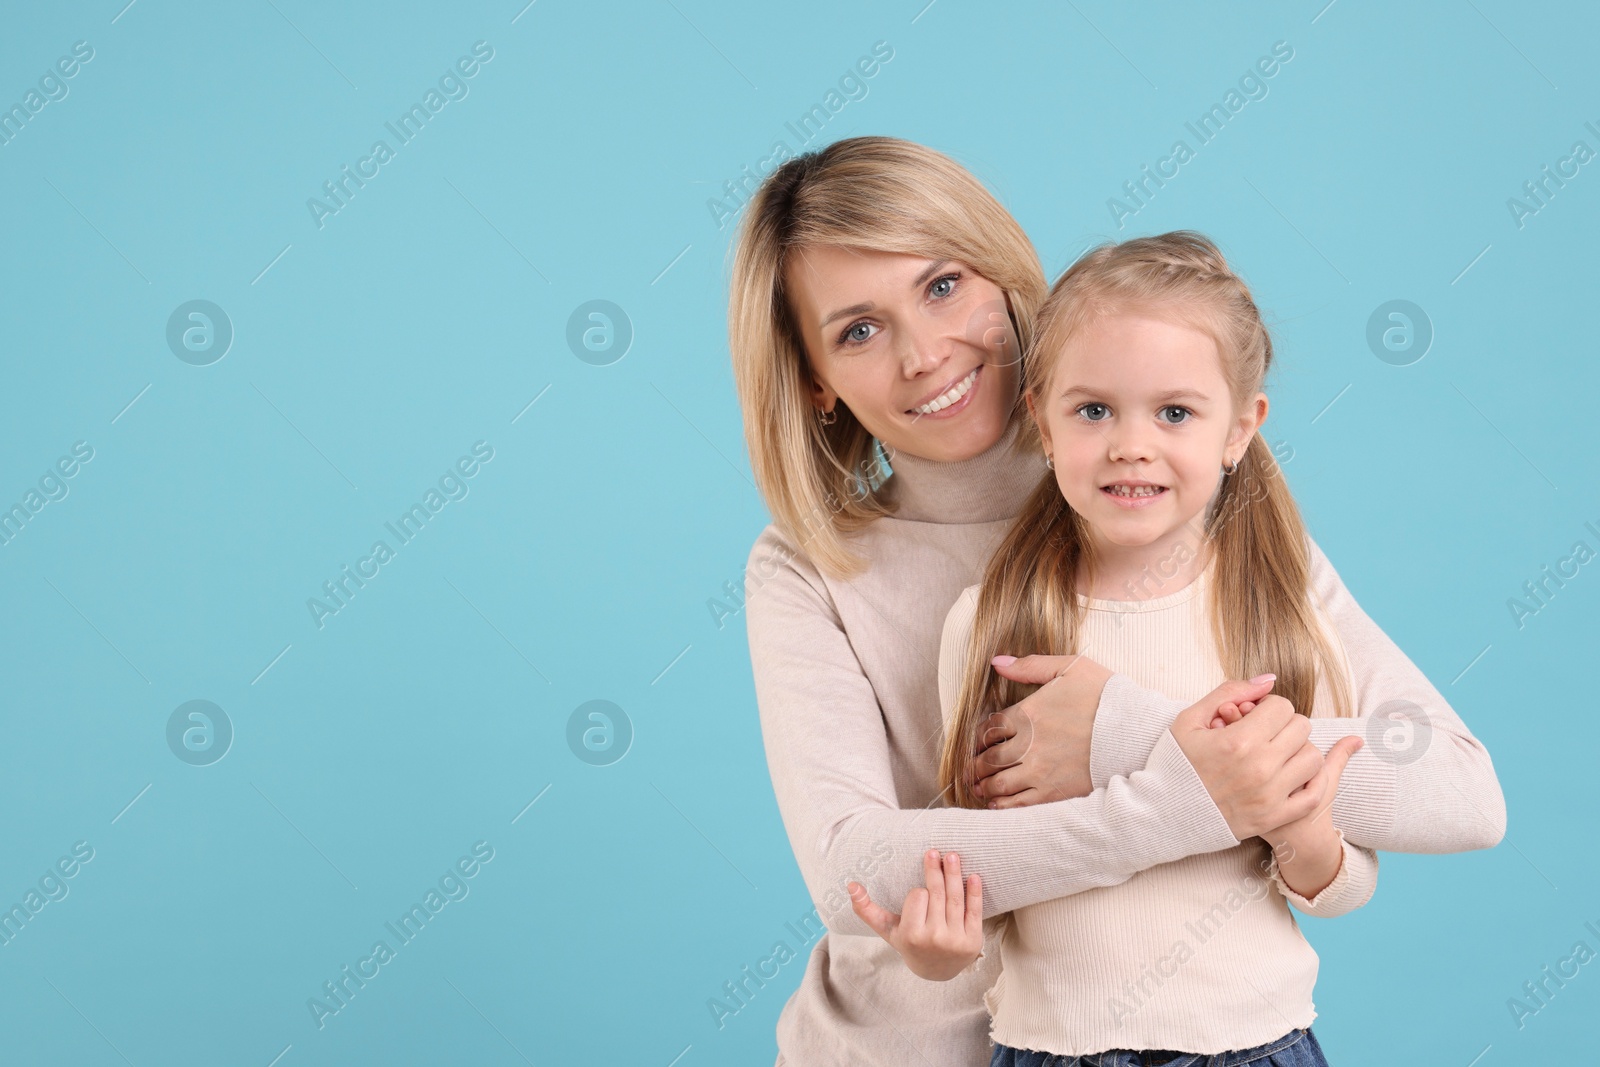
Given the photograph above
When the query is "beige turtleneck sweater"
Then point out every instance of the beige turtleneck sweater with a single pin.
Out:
(846, 679)
(1169, 958)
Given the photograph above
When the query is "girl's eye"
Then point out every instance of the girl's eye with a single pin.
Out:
(857, 333)
(1094, 412)
(943, 286)
(1179, 412)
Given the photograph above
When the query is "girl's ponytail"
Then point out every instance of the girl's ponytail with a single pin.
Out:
(1025, 606)
(1261, 609)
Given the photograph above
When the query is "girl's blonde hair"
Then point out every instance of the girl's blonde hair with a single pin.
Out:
(878, 194)
(1261, 604)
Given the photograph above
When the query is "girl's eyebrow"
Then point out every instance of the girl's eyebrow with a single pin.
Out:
(1168, 397)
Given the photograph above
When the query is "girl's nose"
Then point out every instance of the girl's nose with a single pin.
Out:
(1129, 444)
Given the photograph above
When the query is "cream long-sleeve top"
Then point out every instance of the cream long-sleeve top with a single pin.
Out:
(846, 681)
(1197, 955)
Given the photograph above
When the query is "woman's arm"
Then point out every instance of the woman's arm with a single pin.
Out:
(1421, 783)
(828, 754)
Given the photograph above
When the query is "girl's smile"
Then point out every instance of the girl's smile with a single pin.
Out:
(1133, 493)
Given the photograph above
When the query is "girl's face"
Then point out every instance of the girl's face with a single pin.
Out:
(1140, 422)
(920, 350)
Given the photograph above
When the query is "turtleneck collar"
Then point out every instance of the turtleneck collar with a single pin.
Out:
(988, 487)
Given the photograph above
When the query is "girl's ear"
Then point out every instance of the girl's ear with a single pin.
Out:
(1033, 413)
(1250, 420)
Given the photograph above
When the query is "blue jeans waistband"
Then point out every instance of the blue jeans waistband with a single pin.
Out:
(1311, 1054)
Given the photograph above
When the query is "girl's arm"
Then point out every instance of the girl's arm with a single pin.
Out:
(829, 756)
(1421, 783)
(1312, 864)
(1350, 888)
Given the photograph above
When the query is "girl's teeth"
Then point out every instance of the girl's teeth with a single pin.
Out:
(1141, 490)
(957, 391)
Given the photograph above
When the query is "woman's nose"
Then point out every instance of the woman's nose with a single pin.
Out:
(921, 351)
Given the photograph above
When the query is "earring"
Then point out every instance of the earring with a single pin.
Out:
(1049, 461)
(1230, 470)
(827, 418)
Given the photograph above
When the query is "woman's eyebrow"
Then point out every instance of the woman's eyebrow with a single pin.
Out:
(853, 309)
(933, 269)
(862, 309)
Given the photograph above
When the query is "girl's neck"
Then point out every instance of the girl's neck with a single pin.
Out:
(1144, 572)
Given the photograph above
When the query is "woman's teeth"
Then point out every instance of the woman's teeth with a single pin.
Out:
(1133, 490)
(957, 391)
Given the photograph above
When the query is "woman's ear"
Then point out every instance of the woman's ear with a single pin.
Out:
(822, 397)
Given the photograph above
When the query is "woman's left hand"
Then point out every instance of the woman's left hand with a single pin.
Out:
(939, 931)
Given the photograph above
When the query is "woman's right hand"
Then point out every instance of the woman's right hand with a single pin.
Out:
(939, 932)
(1037, 750)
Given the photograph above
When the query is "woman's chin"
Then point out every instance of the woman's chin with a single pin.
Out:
(970, 434)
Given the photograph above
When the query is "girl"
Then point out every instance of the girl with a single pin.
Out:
(1165, 543)
(871, 277)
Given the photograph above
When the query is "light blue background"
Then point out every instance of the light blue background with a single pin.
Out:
(428, 313)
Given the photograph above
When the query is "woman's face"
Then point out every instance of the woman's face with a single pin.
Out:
(920, 350)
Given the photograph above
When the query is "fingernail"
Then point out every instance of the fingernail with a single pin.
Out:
(1258, 679)
(1003, 661)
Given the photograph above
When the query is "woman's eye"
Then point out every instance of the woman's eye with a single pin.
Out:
(942, 287)
(856, 333)
(1178, 414)
(1094, 412)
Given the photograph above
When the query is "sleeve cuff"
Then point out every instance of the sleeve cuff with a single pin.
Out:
(1350, 888)
(1193, 817)
(1128, 723)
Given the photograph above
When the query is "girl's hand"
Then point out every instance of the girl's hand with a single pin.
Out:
(1308, 850)
(1324, 785)
(939, 932)
(1230, 713)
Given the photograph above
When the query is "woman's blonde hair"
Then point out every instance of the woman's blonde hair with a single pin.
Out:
(1261, 608)
(878, 194)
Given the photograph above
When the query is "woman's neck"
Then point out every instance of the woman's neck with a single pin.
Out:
(986, 488)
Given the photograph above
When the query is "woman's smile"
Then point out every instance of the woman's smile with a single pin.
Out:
(952, 401)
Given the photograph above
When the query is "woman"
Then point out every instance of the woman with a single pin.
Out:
(880, 302)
